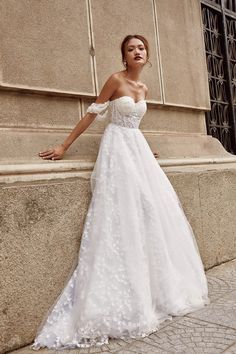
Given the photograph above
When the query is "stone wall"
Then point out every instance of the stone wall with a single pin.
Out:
(56, 56)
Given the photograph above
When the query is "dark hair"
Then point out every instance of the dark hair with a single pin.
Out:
(126, 40)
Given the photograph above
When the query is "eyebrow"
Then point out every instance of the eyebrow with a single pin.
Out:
(129, 46)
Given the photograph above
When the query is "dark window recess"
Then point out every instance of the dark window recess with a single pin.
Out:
(230, 5)
(219, 28)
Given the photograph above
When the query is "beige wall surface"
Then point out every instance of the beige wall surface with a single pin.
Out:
(54, 49)
(73, 46)
(60, 210)
(184, 72)
(23, 110)
(45, 44)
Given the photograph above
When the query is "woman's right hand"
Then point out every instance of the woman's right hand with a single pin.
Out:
(53, 154)
(156, 154)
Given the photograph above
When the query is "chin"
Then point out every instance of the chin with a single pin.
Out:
(138, 63)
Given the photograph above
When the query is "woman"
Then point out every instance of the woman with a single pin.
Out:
(139, 262)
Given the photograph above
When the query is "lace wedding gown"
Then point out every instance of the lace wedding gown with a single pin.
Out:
(139, 262)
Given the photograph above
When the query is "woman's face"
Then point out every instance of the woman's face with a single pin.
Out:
(135, 52)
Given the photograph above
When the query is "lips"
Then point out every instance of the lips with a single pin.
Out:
(138, 57)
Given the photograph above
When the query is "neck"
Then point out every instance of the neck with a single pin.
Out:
(133, 73)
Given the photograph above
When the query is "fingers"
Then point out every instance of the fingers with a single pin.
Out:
(56, 158)
(49, 154)
(46, 153)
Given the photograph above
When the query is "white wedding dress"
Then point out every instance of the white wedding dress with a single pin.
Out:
(139, 262)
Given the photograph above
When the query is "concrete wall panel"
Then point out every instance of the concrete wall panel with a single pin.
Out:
(182, 53)
(41, 225)
(45, 44)
(167, 120)
(38, 111)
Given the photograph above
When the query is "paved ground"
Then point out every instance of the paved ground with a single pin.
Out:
(210, 330)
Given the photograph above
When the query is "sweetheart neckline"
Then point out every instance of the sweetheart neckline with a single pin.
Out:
(129, 97)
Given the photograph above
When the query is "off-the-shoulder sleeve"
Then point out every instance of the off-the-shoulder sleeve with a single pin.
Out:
(100, 108)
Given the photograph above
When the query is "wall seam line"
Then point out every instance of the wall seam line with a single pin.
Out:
(158, 52)
(92, 45)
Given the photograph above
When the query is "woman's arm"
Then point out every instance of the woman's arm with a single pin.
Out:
(107, 91)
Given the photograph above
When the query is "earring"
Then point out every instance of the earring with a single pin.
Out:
(125, 63)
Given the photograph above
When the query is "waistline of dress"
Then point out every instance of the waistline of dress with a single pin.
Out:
(121, 126)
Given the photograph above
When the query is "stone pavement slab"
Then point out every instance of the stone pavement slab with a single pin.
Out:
(221, 311)
(219, 287)
(210, 330)
(231, 350)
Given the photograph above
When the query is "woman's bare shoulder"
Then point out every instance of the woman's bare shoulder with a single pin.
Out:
(117, 76)
(114, 79)
(110, 86)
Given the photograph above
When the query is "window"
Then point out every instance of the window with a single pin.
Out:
(219, 28)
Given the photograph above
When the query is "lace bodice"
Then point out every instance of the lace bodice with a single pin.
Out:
(122, 111)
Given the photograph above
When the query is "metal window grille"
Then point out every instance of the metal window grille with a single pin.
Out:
(219, 28)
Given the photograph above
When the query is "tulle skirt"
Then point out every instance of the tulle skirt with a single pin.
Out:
(138, 264)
